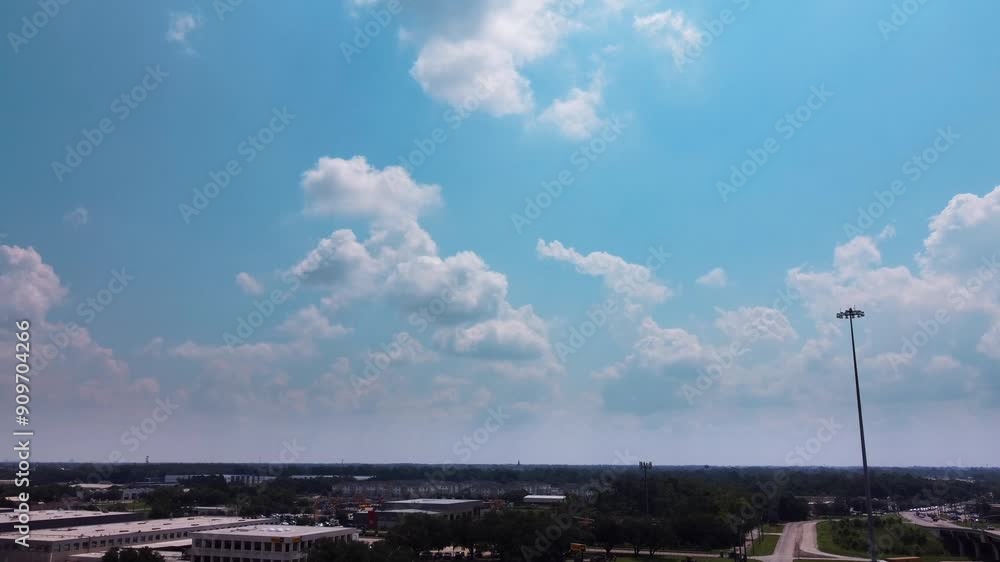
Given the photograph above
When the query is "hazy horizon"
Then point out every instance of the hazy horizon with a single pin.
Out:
(533, 230)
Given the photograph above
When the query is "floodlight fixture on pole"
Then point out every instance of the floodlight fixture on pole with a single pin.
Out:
(850, 314)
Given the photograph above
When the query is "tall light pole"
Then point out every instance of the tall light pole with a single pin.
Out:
(850, 314)
(645, 466)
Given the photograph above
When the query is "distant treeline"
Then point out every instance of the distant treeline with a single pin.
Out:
(905, 487)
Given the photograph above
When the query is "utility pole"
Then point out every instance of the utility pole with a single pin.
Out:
(850, 314)
(645, 466)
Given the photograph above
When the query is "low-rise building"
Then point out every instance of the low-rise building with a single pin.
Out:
(263, 543)
(59, 544)
(52, 518)
(543, 500)
(450, 508)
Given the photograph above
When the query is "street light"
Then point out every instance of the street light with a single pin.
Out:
(850, 314)
(645, 466)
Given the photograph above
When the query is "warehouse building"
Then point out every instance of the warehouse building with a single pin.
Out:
(58, 545)
(452, 509)
(263, 543)
(52, 518)
(543, 500)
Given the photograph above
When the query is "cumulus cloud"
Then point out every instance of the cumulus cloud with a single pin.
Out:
(181, 25)
(249, 284)
(670, 30)
(335, 186)
(77, 217)
(576, 116)
(309, 323)
(511, 334)
(28, 286)
(753, 323)
(715, 278)
(480, 63)
(634, 280)
(932, 329)
(76, 368)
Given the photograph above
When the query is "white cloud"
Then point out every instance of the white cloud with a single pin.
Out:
(76, 368)
(28, 286)
(887, 233)
(575, 116)
(336, 186)
(512, 334)
(615, 271)
(459, 295)
(249, 284)
(753, 323)
(310, 323)
(496, 41)
(715, 278)
(182, 24)
(77, 217)
(670, 30)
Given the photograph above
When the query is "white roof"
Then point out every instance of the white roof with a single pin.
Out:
(158, 526)
(431, 501)
(283, 531)
(55, 514)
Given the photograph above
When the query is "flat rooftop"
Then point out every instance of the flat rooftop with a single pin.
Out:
(429, 501)
(55, 514)
(149, 526)
(282, 531)
(543, 497)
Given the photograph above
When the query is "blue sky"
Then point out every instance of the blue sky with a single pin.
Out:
(380, 163)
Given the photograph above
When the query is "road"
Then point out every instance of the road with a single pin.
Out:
(798, 540)
(941, 523)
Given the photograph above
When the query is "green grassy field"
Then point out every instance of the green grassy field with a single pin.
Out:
(764, 547)
(906, 540)
(774, 527)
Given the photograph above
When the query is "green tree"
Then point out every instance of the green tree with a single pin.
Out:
(608, 533)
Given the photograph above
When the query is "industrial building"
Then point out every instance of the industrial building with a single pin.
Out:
(51, 518)
(263, 543)
(452, 509)
(393, 512)
(543, 500)
(58, 545)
